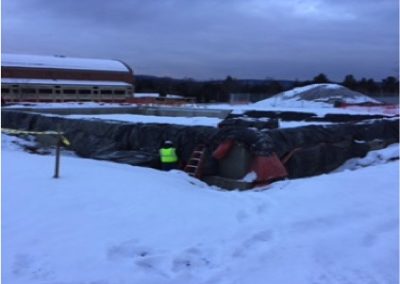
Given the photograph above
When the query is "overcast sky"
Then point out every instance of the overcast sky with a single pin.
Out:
(210, 39)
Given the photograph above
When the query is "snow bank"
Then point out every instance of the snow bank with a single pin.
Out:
(189, 121)
(318, 108)
(110, 223)
(378, 157)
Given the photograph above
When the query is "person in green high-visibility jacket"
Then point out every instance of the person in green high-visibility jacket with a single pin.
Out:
(168, 156)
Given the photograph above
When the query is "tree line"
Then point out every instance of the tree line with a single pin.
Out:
(219, 90)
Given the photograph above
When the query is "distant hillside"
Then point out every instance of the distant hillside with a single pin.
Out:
(242, 81)
(220, 90)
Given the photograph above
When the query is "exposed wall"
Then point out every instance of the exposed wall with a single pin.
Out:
(59, 92)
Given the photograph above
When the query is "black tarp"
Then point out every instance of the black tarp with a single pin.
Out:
(319, 149)
(112, 140)
(306, 116)
(322, 147)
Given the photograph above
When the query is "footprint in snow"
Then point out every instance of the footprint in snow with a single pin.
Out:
(128, 250)
(256, 241)
(191, 259)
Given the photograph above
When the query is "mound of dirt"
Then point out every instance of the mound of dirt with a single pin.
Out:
(316, 95)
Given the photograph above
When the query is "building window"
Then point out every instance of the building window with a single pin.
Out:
(69, 91)
(28, 91)
(119, 92)
(45, 91)
(84, 92)
(106, 92)
(5, 90)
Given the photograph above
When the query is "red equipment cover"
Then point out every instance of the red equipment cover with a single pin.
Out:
(268, 168)
(223, 149)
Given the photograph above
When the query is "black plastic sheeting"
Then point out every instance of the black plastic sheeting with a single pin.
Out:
(135, 144)
(262, 123)
(320, 149)
(307, 116)
(324, 157)
(323, 148)
(283, 115)
(340, 117)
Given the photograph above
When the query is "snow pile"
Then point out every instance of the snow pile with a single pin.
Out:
(373, 158)
(323, 95)
(103, 222)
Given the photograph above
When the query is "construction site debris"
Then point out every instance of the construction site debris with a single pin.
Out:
(319, 149)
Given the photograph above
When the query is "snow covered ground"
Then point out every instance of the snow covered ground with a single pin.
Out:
(320, 109)
(109, 223)
(135, 118)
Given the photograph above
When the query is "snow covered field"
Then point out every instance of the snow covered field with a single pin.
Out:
(109, 223)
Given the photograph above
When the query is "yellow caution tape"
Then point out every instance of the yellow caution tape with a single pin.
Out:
(64, 140)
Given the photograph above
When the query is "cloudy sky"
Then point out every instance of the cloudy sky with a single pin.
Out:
(210, 39)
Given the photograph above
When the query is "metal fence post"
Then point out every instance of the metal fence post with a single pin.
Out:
(57, 165)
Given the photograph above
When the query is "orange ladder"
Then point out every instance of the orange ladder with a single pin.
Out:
(193, 167)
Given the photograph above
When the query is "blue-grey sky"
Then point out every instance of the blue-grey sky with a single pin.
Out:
(210, 39)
